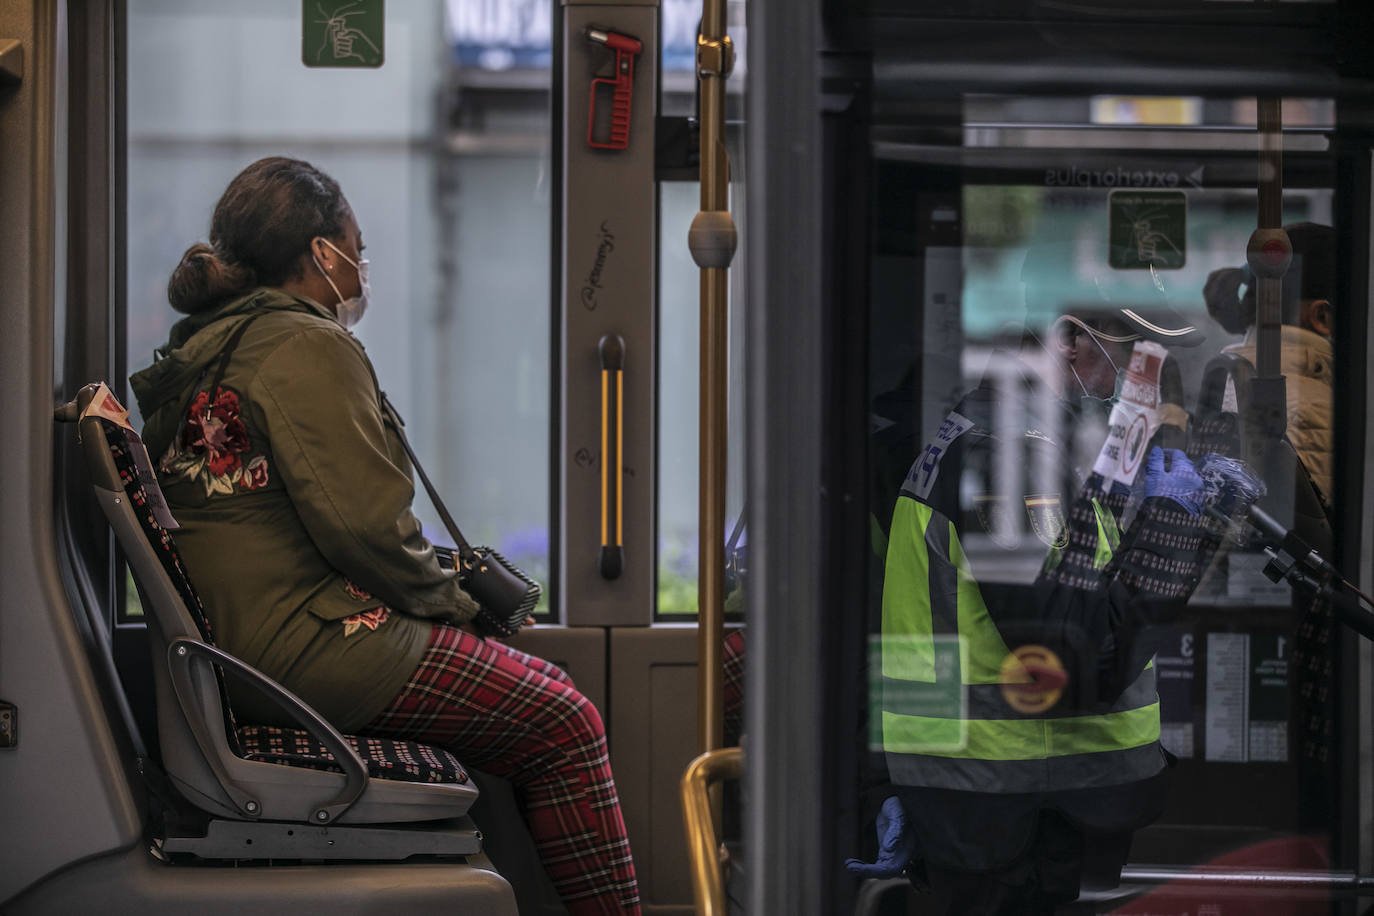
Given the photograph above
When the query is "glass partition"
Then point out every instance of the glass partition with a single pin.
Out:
(1054, 298)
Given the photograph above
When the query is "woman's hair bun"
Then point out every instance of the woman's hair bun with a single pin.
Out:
(204, 279)
(1235, 314)
(260, 233)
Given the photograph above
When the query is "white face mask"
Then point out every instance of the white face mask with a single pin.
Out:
(349, 311)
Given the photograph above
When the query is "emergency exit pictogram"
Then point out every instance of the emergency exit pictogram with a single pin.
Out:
(343, 33)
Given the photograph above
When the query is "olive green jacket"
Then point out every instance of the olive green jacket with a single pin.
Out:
(294, 498)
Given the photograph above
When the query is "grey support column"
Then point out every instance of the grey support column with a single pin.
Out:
(609, 214)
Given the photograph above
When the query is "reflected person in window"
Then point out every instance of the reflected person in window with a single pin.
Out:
(1019, 716)
(1307, 363)
(294, 496)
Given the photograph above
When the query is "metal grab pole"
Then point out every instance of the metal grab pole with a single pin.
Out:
(1270, 245)
(1268, 253)
(712, 243)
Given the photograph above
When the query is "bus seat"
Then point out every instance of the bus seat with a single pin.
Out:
(1222, 403)
(250, 773)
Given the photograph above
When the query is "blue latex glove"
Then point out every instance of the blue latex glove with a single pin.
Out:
(1170, 474)
(896, 844)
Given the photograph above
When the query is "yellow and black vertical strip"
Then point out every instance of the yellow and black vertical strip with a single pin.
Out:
(612, 556)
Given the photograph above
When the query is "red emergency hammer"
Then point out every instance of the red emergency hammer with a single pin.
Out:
(627, 48)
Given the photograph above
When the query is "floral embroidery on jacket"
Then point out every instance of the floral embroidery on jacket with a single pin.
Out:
(211, 446)
(355, 591)
(371, 619)
(254, 476)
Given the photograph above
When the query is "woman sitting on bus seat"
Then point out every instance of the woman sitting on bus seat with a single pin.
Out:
(294, 498)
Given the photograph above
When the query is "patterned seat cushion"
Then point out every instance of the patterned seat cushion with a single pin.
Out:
(1217, 432)
(386, 758)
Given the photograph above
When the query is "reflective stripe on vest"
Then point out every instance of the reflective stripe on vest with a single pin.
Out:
(1108, 536)
(1082, 771)
(944, 722)
(928, 589)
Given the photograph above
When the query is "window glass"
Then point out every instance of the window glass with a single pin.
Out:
(680, 324)
(679, 353)
(1062, 293)
(681, 19)
(679, 378)
(443, 153)
(131, 608)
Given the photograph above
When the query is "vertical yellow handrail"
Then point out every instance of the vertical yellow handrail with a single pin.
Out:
(1268, 253)
(712, 243)
(1269, 198)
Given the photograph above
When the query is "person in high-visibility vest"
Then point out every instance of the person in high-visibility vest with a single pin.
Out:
(1018, 716)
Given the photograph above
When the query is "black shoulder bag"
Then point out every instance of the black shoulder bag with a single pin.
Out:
(506, 595)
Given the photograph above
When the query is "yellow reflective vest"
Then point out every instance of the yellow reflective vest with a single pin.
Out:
(946, 718)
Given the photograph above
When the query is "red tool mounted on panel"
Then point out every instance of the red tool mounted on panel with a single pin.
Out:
(622, 85)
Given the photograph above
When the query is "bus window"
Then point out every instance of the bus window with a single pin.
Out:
(679, 322)
(445, 149)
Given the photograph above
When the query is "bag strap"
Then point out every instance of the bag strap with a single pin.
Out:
(228, 351)
(733, 541)
(394, 418)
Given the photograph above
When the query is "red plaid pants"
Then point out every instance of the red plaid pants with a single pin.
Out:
(520, 718)
(733, 663)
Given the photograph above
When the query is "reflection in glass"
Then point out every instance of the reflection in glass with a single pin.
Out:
(1059, 600)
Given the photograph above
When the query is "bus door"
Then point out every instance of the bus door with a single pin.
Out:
(1035, 176)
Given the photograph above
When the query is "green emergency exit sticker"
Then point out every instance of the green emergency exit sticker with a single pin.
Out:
(945, 699)
(342, 33)
(1147, 229)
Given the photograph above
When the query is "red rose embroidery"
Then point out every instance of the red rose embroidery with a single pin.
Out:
(356, 592)
(211, 447)
(215, 430)
(254, 475)
(371, 619)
